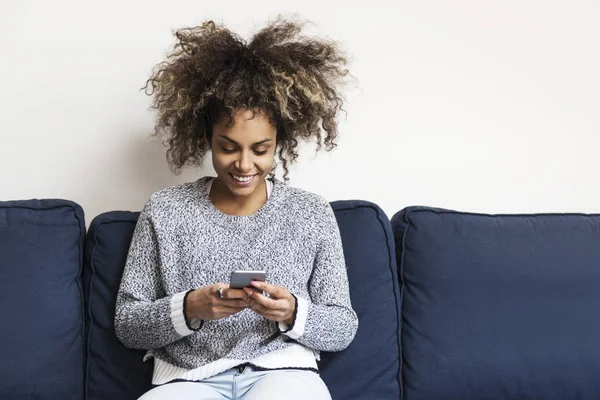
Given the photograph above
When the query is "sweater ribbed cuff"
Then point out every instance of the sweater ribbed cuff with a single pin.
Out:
(183, 325)
(296, 330)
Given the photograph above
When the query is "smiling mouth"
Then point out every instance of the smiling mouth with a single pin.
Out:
(243, 179)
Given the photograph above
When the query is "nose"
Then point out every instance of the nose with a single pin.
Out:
(244, 162)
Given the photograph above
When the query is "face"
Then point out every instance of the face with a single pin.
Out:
(243, 154)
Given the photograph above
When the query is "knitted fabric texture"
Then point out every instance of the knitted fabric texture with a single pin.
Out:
(182, 242)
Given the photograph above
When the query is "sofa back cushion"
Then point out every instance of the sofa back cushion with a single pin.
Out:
(113, 371)
(370, 366)
(499, 306)
(41, 300)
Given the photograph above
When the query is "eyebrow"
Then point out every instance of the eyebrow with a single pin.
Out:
(253, 144)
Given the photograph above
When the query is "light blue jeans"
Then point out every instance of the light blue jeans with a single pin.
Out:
(246, 384)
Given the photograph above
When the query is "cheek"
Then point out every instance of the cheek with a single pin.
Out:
(220, 161)
(215, 161)
(265, 163)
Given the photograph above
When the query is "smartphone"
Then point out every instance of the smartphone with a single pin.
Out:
(242, 279)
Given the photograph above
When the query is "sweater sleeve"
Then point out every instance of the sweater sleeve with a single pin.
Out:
(144, 317)
(326, 321)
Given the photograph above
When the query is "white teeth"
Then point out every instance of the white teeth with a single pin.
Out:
(242, 179)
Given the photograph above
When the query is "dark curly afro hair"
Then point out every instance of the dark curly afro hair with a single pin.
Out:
(211, 73)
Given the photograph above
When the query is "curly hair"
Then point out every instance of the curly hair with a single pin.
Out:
(211, 73)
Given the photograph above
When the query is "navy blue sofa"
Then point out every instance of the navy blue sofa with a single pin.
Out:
(451, 305)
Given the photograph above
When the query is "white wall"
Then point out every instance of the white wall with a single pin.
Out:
(474, 105)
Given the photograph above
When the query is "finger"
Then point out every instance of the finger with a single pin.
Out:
(229, 293)
(215, 287)
(264, 300)
(260, 310)
(233, 303)
(226, 312)
(273, 290)
(273, 315)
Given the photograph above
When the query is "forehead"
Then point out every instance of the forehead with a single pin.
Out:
(248, 126)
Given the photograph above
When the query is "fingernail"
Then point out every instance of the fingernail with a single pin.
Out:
(255, 284)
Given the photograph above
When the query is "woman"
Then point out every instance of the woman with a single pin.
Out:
(244, 103)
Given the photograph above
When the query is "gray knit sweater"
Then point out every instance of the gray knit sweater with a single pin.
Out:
(182, 242)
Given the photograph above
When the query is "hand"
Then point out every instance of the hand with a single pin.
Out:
(280, 307)
(203, 303)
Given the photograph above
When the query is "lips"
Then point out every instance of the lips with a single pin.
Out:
(242, 180)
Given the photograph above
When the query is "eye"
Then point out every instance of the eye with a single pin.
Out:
(226, 150)
(260, 153)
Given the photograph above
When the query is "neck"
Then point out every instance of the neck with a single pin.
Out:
(228, 203)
